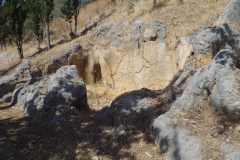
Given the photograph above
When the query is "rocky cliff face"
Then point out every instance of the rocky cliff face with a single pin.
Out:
(133, 55)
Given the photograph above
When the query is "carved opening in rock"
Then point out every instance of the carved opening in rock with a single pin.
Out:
(81, 62)
(97, 74)
(153, 38)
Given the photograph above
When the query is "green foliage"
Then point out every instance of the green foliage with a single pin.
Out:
(85, 2)
(67, 10)
(3, 26)
(15, 12)
(34, 18)
(77, 4)
(47, 7)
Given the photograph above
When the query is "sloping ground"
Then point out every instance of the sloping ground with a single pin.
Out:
(181, 20)
(77, 137)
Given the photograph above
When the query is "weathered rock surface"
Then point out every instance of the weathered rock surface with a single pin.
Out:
(35, 71)
(182, 54)
(21, 71)
(87, 64)
(131, 109)
(128, 107)
(217, 84)
(209, 41)
(52, 94)
(218, 81)
(6, 59)
(57, 62)
(175, 140)
(231, 13)
(231, 153)
(133, 55)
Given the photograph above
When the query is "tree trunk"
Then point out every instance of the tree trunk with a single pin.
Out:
(154, 4)
(39, 44)
(70, 24)
(48, 36)
(20, 51)
(75, 29)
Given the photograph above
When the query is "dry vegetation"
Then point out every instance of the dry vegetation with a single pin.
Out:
(181, 19)
(63, 140)
(212, 128)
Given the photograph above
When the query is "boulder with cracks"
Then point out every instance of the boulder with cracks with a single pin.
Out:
(217, 84)
(52, 95)
(209, 41)
(133, 55)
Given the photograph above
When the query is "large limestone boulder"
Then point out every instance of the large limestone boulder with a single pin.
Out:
(216, 84)
(135, 57)
(52, 94)
(217, 81)
(231, 13)
(128, 107)
(135, 108)
(209, 41)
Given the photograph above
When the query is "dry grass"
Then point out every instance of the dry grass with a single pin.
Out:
(186, 19)
(202, 113)
(212, 129)
(92, 12)
(100, 95)
(181, 19)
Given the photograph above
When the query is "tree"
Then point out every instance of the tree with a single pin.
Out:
(34, 19)
(77, 4)
(67, 12)
(154, 4)
(15, 12)
(3, 27)
(70, 8)
(76, 8)
(46, 8)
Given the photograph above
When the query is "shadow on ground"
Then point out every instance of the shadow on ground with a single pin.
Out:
(77, 137)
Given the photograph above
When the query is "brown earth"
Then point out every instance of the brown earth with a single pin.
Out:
(77, 137)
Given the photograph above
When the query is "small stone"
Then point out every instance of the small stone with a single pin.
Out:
(96, 158)
(115, 144)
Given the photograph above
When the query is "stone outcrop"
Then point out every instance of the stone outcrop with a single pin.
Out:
(128, 107)
(35, 71)
(217, 81)
(20, 72)
(57, 61)
(231, 13)
(133, 109)
(216, 84)
(209, 41)
(52, 94)
(126, 110)
(182, 54)
(133, 55)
